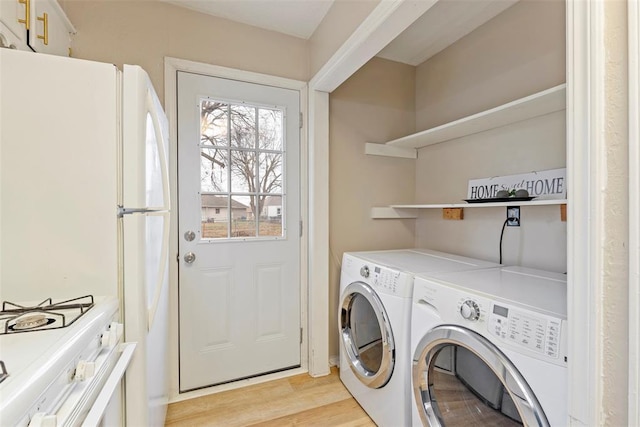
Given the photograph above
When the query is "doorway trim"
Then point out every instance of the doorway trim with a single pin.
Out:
(171, 68)
(585, 208)
(384, 23)
(634, 213)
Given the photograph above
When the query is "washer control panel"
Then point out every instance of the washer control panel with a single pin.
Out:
(533, 331)
(385, 279)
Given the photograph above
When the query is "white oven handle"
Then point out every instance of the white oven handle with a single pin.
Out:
(102, 401)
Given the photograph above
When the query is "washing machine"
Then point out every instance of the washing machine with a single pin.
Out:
(489, 348)
(374, 320)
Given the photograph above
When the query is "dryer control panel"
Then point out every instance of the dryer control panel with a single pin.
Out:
(507, 324)
(534, 331)
(385, 278)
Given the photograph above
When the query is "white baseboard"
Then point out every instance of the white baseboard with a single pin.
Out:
(334, 361)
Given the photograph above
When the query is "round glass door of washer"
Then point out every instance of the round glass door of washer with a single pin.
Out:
(366, 335)
(461, 379)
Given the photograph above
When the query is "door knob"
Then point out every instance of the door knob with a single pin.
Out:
(189, 257)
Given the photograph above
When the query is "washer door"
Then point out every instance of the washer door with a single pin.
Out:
(366, 335)
(484, 388)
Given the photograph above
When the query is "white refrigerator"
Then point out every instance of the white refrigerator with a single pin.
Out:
(84, 201)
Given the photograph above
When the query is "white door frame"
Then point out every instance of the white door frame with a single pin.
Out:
(585, 61)
(171, 68)
(634, 213)
(585, 210)
(382, 25)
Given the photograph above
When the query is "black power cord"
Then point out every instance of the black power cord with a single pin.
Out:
(504, 225)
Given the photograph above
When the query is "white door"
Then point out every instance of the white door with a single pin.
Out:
(239, 229)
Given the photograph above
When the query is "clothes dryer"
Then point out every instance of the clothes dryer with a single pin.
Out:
(505, 330)
(374, 321)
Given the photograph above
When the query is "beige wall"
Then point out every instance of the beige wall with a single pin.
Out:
(373, 105)
(442, 173)
(509, 57)
(340, 22)
(519, 52)
(144, 32)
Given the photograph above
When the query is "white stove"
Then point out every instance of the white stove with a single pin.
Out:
(58, 358)
(29, 317)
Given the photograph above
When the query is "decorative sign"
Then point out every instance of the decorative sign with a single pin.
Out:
(549, 184)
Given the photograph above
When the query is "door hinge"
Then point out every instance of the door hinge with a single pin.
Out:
(300, 335)
(301, 120)
(301, 227)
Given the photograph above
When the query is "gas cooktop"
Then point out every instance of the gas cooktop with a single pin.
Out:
(41, 365)
(16, 318)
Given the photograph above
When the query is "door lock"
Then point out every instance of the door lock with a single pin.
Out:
(189, 236)
(189, 257)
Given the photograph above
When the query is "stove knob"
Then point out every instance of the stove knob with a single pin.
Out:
(43, 420)
(470, 310)
(112, 336)
(84, 370)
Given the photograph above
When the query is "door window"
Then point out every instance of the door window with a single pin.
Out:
(241, 170)
(479, 396)
(366, 335)
(460, 378)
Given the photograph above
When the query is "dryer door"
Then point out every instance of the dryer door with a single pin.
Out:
(366, 335)
(485, 388)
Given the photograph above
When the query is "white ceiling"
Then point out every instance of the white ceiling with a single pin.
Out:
(443, 24)
(298, 18)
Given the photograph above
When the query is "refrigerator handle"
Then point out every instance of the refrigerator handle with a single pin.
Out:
(163, 267)
(128, 211)
(163, 142)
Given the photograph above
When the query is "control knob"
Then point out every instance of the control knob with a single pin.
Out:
(364, 271)
(41, 419)
(84, 370)
(112, 336)
(470, 310)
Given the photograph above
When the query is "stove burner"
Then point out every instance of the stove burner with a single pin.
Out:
(31, 321)
(16, 318)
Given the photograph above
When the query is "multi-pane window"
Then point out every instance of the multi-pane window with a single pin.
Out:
(241, 170)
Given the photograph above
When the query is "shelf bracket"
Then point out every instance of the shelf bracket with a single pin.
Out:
(390, 151)
(456, 214)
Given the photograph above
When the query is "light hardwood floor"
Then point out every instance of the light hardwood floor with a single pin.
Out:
(300, 400)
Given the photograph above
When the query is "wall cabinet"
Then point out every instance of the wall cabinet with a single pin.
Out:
(37, 25)
(50, 30)
(13, 24)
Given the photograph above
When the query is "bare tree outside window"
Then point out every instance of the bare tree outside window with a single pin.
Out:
(241, 169)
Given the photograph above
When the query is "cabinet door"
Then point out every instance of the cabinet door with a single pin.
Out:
(13, 16)
(50, 30)
(9, 39)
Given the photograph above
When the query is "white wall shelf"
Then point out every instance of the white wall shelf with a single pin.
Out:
(538, 104)
(408, 211)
